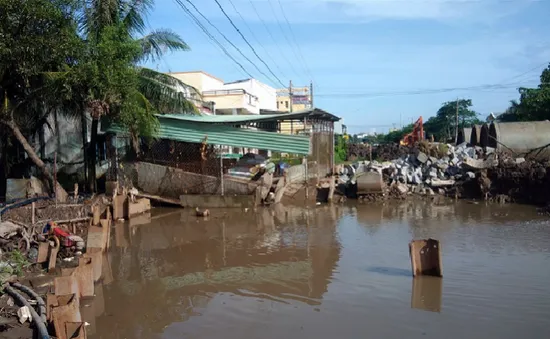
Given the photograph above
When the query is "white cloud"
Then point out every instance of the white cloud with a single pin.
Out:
(366, 10)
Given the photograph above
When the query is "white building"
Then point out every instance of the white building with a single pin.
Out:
(239, 97)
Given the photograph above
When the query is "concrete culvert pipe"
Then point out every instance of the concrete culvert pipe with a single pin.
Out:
(484, 136)
(522, 138)
(475, 135)
(464, 135)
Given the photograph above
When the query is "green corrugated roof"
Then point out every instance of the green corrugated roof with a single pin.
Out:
(241, 119)
(219, 134)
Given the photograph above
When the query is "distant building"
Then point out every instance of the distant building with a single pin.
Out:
(301, 99)
(240, 97)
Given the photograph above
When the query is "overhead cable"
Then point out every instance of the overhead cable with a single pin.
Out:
(211, 37)
(229, 42)
(256, 39)
(295, 41)
(248, 43)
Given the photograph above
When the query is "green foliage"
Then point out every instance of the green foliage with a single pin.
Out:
(534, 103)
(16, 263)
(443, 125)
(37, 37)
(340, 149)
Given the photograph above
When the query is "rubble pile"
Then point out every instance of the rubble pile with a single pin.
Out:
(427, 169)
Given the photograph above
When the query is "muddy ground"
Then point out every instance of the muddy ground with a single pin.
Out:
(47, 210)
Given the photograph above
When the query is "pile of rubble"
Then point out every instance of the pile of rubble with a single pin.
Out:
(422, 172)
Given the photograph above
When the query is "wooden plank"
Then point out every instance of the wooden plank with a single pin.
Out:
(170, 201)
(53, 257)
(43, 251)
(96, 211)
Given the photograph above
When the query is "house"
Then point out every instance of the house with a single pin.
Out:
(242, 97)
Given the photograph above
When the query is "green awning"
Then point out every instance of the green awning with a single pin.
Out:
(225, 135)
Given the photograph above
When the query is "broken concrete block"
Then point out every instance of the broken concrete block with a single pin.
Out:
(470, 175)
(489, 150)
(520, 160)
(422, 157)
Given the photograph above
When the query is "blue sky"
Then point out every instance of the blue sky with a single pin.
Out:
(362, 53)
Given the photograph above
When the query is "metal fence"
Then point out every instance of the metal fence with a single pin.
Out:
(322, 146)
(169, 168)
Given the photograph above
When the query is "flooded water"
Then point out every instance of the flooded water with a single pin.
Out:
(328, 272)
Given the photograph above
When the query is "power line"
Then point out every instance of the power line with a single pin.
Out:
(255, 38)
(248, 43)
(282, 30)
(415, 92)
(295, 41)
(211, 37)
(229, 41)
(272, 37)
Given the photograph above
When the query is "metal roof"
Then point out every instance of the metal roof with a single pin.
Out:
(188, 130)
(314, 113)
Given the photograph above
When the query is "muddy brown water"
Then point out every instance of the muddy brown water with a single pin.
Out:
(329, 272)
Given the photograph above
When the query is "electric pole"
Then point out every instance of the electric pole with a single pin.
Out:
(311, 94)
(456, 122)
(290, 95)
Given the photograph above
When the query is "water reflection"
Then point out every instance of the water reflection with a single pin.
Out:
(328, 271)
(427, 293)
(171, 264)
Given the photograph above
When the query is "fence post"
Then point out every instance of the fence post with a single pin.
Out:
(221, 172)
(307, 178)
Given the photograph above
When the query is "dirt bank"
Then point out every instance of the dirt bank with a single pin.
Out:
(527, 182)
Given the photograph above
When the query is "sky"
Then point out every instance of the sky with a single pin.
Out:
(375, 63)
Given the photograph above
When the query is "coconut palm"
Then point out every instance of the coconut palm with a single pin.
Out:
(114, 31)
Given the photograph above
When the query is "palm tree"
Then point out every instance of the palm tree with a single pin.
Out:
(138, 93)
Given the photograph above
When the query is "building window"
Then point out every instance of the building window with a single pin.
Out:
(286, 104)
(277, 105)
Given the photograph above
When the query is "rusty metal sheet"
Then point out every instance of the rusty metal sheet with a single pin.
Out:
(66, 285)
(66, 311)
(75, 330)
(97, 261)
(425, 257)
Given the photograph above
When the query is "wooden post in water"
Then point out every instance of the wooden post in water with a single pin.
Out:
(425, 257)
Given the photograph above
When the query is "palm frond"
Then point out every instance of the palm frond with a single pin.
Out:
(159, 42)
(166, 93)
(133, 13)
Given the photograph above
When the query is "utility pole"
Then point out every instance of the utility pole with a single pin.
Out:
(456, 122)
(290, 95)
(311, 94)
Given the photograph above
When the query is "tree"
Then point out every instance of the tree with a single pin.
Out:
(36, 37)
(443, 124)
(534, 103)
(108, 80)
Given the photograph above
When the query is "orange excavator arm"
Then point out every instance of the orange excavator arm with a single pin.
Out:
(417, 134)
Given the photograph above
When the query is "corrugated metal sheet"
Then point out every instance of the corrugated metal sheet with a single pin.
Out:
(187, 131)
(241, 119)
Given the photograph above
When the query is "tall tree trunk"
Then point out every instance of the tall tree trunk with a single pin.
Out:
(84, 126)
(42, 142)
(93, 155)
(29, 150)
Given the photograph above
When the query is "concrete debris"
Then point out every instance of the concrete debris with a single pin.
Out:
(422, 173)
(24, 314)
